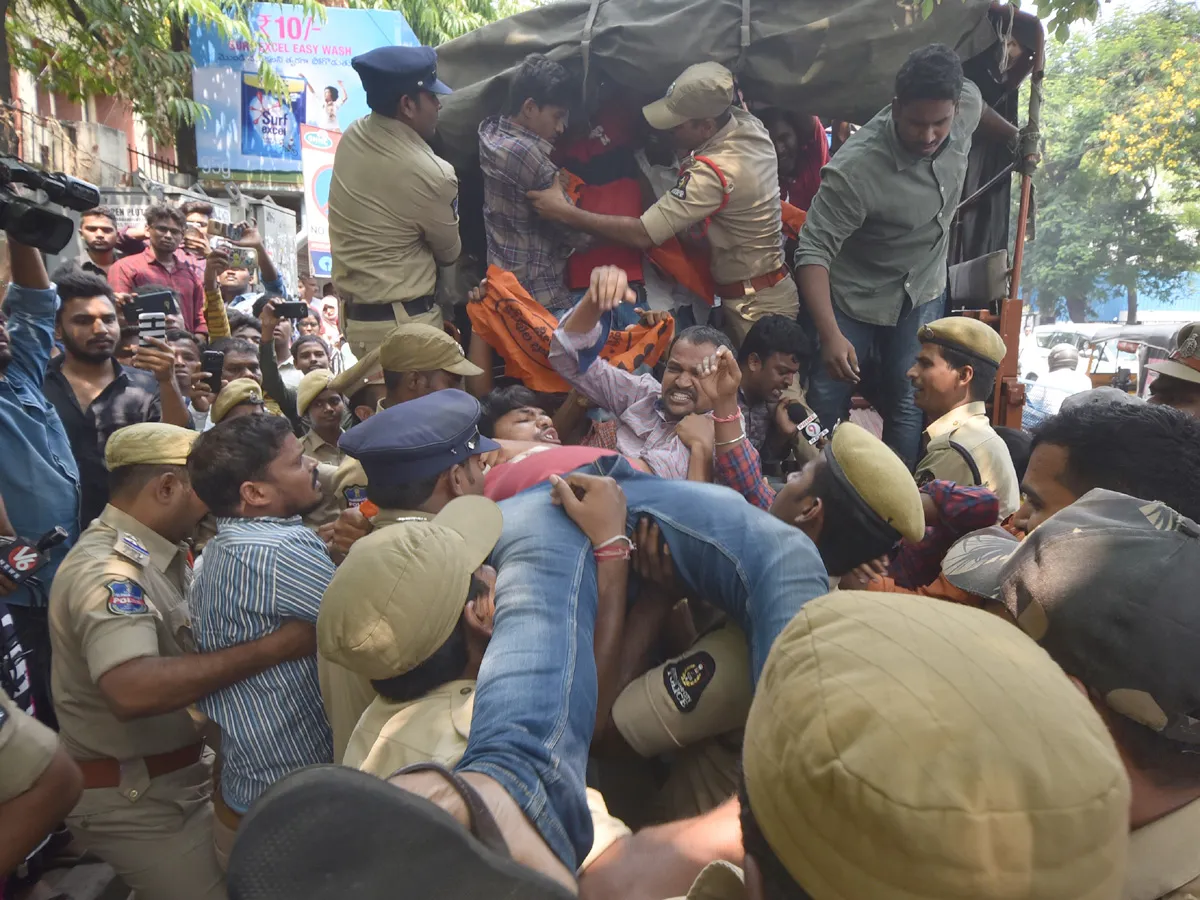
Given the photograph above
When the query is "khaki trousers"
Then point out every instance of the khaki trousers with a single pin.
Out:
(364, 337)
(157, 835)
(780, 299)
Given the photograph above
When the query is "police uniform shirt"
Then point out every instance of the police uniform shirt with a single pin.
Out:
(745, 235)
(1163, 860)
(321, 450)
(435, 728)
(328, 458)
(964, 448)
(393, 212)
(351, 484)
(118, 596)
(26, 749)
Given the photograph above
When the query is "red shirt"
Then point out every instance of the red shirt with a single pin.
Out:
(131, 272)
(509, 479)
(801, 188)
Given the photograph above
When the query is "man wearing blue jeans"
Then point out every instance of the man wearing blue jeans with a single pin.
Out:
(871, 258)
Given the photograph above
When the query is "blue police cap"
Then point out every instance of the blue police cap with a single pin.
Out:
(418, 439)
(392, 71)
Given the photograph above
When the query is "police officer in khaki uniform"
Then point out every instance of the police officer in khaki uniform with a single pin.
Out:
(405, 592)
(39, 783)
(124, 673)
(728, 191)
(416, 360)
(691, 709)
(393, 203)
(954, 374)
(313, 386)
(1107, 586)
(241, 397)
(860, 701)
(1177, 379)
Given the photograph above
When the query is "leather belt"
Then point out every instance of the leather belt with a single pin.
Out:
(382, 312)
(740, 289)
(106, 773)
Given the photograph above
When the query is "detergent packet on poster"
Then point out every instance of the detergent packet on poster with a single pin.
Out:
(271, 125)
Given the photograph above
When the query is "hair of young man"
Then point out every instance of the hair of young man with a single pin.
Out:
(74, 283)
(777, 881)
(701, 334)
(1020, 445)
(500, 402)
(310, 339)
(1148, 452)
(102, 211)
(403, 496)
(842, 544)
(239, 320)
(232, 453)
(175, 336)
(160, 211)
(1165, 762)
(129, 480)
(234, 345)
(775, 334)
(543, 81)
(261, 303)
(445, 665)
(930, 73)
(197, 206)
(155, 288)
(983, 382)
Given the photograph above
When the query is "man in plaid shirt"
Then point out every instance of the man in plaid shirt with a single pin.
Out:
(514, 153)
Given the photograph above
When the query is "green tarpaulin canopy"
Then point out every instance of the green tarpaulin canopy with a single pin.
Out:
(834, 58)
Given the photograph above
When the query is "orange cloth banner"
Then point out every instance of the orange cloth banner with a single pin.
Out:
(519, 328)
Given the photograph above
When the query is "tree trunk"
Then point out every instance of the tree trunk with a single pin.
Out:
(185, 135)
(1131, 299)
(6, 74)
(1077, 308)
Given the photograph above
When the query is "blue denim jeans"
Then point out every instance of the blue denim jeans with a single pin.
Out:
(535, 700)
(892, 350)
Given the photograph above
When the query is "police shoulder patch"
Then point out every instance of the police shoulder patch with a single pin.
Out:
(680, 189)
(3, 716)
(454, 205)
(355, 496)
(686, 679)
(126, 598)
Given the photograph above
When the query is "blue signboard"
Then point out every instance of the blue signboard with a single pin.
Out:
(250, 131)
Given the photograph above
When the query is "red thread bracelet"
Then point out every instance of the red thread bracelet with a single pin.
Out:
(725, 420)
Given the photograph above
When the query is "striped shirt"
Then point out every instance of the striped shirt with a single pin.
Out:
(256, 573)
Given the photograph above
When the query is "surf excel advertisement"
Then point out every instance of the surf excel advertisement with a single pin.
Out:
(251, 136)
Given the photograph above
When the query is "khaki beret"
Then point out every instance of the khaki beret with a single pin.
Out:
(423, 348)
(237, 392)
(880, 478)
(400, 593)
(310, 387)
(366, 371)
(149, 444)
(1184, 362)
(927, 749)
(966, 335)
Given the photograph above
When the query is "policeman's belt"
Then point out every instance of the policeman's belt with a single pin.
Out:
(861, 515)
(382, 312)
(740, 289)
(106, 773)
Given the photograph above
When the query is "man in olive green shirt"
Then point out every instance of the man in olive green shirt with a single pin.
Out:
(871, 262)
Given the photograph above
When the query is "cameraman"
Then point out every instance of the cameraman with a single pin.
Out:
(39, 480)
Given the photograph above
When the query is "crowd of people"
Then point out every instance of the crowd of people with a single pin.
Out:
(582, 598)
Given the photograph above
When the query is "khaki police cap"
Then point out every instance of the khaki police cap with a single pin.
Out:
(149, 444)
(879, 477)
(423, 348)
(237, 392)
(310, 388)
(703, 91)
(366, 371)
(928, 749)
(966, 335)
(400, 593)
(1184, 362)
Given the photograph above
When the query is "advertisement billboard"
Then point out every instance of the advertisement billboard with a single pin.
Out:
(318, 147)
(251, 136)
